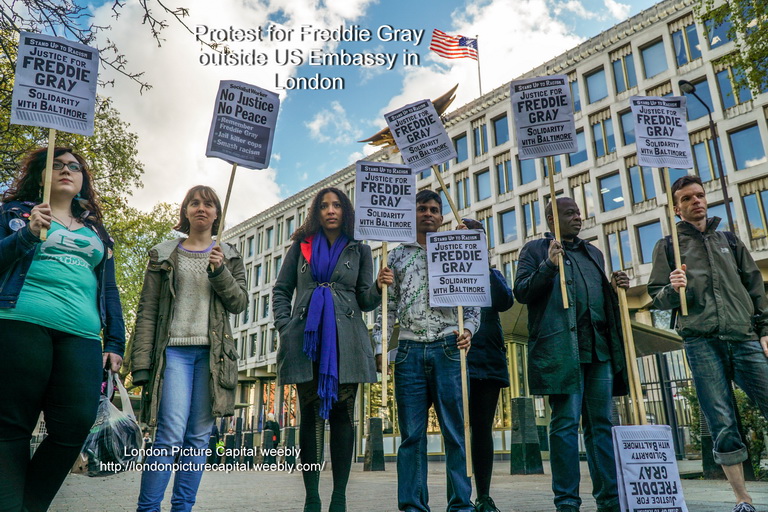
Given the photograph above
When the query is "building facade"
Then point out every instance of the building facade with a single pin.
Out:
(623, 204)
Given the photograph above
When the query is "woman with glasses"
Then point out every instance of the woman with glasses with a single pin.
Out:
(58, 297)
(325, 348)
(186, 359)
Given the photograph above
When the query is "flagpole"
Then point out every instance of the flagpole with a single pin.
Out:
(479, 82)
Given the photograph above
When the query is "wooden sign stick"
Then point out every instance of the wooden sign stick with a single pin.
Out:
(556, 222)
(48, 176)
(384, 337)
(635, 388)
(675, 241)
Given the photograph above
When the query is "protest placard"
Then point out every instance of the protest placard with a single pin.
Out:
(385, 204)
(420, 135)
(457, 263)
(646, 468)
(243, 125)
(55, 84)
(661, 131)
(543, 116)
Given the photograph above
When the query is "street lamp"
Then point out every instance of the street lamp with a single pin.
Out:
(688, 88)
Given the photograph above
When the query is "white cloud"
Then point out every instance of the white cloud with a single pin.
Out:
(617, 10)
(332, 125)
(574, 7)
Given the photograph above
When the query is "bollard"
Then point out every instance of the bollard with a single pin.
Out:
(229, 445)
(212, 458)
(269, 445)
(289, 437)
(248, 445)
(524, 454)
(374, 446)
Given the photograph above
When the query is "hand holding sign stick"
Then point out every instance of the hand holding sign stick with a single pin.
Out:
(556, 222)
(675, 241)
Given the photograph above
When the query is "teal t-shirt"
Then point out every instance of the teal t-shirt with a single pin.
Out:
(61, 286)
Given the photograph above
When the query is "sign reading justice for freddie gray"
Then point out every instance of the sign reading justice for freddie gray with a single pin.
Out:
(661, 131)
(385, 205)
(457, 263)
(543, 116)
(420, 135)
(55, 84)
(243, 125)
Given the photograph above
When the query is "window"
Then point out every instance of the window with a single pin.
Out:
(695, 108)
(755, 196)
(558, 166)
(245, 315)
(483, 185)
(611, 195)
(273, 340)
(747, 148)
(255, 308)
(623, 63)
(654, 59)
(301, 216)
(508, 222)
(509, 267)
(290, 227)
(254, 340)
(249, 245)
(278, 265)
(279, 230)
(486, 218)
(527, 170)
(265, 306)
(462, 190)
(581, 191)
(480, 137)
(349, 189)
(662, 89)
(685, 40)
(503, 173)
(603, 140)
(460, 144)
(248, 278)
(575, 95)
(704, 156)
(531, 215)
(257, 275)
(641, 183)
(618, 245)
(446, 204)
(270, 232)
(426, 173)
(500, 130)
(627, 126)
(597, 88)
(717, 35)
(267, 271)
(718, 210)
(262, 342)
(443, 167)
(581, 154)
(726, 79)
(259, 242)
(647, 236)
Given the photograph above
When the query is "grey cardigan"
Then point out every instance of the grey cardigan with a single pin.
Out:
(354, 291)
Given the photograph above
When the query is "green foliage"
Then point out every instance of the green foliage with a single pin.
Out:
(749, 31)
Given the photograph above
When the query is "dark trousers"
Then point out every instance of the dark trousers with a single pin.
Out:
(60, 374)
(484, 397)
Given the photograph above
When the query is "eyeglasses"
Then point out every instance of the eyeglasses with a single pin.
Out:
(72, 166)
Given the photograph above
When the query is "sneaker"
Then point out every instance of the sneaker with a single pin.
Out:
(485, 504)
(744, 507)
(567, 508)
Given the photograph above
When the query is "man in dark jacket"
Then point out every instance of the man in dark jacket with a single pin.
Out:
(575, 355)
(726, 329)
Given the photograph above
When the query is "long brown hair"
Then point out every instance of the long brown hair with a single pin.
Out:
(28, 184)
(312, 223)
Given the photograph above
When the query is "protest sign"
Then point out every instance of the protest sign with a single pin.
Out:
(385, 205)
(543, 116)
(420, 135)
(55, 84)
(243, 125)
(457, 263)
(646, 468)
(661, 131)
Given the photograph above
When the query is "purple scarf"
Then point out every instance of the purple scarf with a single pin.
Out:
(320, 329)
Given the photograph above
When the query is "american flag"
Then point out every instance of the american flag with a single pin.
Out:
(453, 47)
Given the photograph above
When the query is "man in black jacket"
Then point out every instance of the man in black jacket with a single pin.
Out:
(575, 355)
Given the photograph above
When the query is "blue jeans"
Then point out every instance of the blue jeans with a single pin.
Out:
(594, 405)
(184, 423)
(427, 374)
(714, 363)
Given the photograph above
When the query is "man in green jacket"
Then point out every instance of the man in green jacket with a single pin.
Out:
(726, 329)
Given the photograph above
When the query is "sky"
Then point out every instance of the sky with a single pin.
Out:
(317, 130)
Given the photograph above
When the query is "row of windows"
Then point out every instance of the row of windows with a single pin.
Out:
(257, 344)
(272, 236)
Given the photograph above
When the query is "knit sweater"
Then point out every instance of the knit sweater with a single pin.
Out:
(193, 297)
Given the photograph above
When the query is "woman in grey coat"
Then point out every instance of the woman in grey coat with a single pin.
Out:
(325, 348)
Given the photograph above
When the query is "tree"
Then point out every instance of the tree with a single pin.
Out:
(747, 25)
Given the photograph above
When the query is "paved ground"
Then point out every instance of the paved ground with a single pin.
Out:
(374, 492)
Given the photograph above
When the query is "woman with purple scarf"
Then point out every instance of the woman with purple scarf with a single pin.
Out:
(325, 348)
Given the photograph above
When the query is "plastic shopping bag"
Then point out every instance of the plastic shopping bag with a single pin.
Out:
(115, 438)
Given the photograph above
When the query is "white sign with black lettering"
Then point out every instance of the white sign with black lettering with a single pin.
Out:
(661, 131)
(385, 202)
(543, 116)
(243, 125)
(648, 478)
(457, 263)
(420, 135)
(55, 84)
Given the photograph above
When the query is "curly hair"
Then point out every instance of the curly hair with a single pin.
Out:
(28, 184)
(207, 194)
(312, 223)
